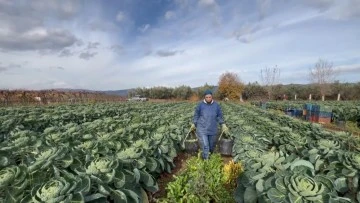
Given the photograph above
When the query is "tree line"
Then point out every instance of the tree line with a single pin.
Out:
(347, 91)
(255, 91)
(322, 77)
(183, 92)
(10, 97)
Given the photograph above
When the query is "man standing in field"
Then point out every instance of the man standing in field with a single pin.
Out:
(207, 116)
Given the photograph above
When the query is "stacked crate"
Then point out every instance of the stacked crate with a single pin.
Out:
(307, 111)
(294, 112)
(325, 115)
(317, 114)
(311, 112)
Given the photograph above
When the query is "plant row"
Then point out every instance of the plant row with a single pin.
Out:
(287, 160)
(102, 153)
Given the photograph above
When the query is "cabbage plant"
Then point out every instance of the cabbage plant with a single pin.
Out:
(57, 189)
(102, 170)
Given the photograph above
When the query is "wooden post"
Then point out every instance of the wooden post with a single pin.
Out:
(323, 97)
(338, 97)
(295, 97)
(310, 97)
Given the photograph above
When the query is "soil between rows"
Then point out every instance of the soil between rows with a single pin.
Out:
(165, 178)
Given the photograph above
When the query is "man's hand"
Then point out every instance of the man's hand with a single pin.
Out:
(192, 128)
(224, 129)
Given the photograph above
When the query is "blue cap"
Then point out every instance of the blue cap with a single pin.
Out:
(207, 92)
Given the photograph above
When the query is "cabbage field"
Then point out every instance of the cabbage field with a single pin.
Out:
(288, 160)
(342, 111)
(116, 152)
(94, 153)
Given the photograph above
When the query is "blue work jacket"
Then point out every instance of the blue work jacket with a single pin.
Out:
(207, 117)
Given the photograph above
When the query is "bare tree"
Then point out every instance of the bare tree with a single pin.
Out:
(270, 77)
(322, 75)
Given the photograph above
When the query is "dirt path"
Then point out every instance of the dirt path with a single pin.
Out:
(165, 178)
(334, 128)
(180, 165)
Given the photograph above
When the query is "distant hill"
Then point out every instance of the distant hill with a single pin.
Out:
(122, 93)
(54, 96)
(75, 90)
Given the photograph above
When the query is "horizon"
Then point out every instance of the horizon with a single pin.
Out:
(120, 45)
(114, 90)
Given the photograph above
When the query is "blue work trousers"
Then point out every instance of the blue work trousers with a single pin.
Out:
(207, 144)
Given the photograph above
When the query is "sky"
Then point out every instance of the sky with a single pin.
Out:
(121, 44)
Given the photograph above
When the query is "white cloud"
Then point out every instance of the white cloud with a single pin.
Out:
(27, 25)
(120, 17)
(167, 53)
(353, 68)
(190, 50)
(337, 10)
(205, 56)
(345, 9)
(39, 38)
(207, 2)
(102, 26)
(144, 28)
(66, 9)
(263, 7)
(183, 3)
(320, 4)
(87, 55)
(169, 15)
